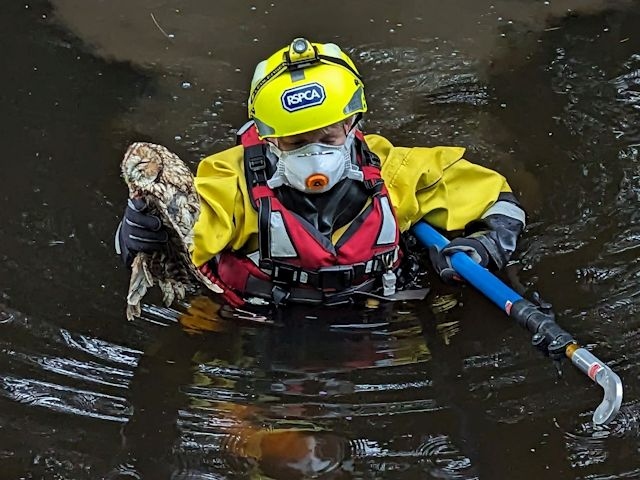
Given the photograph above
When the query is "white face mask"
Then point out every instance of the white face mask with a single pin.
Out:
(314, 168)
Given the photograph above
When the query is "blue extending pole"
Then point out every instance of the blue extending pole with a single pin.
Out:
(499, 293)
(538, 319)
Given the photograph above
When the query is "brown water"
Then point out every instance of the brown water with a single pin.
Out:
(546, 92)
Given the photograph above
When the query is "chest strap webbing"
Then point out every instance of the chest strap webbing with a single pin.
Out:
(325, 279)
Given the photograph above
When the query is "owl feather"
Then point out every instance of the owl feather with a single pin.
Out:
(160, 177)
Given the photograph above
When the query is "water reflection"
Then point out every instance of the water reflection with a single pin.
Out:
(293, 400)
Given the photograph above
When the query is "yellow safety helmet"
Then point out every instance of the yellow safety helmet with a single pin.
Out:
(303, 87)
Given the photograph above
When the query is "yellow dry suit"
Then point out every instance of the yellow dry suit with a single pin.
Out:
(434, 184)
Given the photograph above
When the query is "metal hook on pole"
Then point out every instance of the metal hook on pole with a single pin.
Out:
(603, 376)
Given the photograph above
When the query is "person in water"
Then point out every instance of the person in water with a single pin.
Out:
(309, 209)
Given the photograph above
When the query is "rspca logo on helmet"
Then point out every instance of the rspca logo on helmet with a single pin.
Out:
(304, 96)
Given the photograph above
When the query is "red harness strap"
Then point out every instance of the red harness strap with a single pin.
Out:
(229, 295)
(358, 247)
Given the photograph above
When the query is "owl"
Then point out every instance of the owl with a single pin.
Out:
(160, 177)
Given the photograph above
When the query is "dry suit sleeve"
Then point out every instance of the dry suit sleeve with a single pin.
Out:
(462, 194)
(439, 186)
(436, 184)
(480, 202)
(227, 218)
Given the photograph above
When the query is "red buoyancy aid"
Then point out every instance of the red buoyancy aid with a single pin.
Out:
(295, 262)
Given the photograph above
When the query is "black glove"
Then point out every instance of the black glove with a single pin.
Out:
(441, 260)
(139, 232)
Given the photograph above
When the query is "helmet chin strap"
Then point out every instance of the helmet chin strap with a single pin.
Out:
(351, 169)
(356, 118)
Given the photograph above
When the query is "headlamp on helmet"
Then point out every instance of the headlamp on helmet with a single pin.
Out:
(304, 87)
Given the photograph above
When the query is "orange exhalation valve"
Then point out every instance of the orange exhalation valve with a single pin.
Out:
(317, 181)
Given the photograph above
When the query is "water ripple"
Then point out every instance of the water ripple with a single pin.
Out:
(65, 399)
(80, 370)
(590, 444)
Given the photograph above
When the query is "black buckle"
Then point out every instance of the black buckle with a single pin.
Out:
(370, 158)
(337, 277)
(256, 162)
(279, 295)
(285, 274)
(256, 158)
